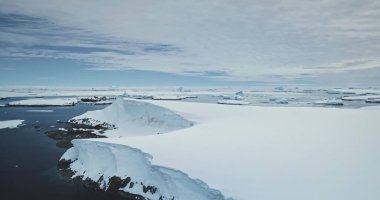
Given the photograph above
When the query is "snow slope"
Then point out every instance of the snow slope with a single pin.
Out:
(133, 118)
(10, 123)
(249, 152)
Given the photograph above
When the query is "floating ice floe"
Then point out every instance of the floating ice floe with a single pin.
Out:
(279, 88)
(373, 100)
(233, 102)
(232, 97)
(10, 123)
(41, 111)
(281, 101)
(240, 93)
(332, 92)
(331, 102)
(358, 91)
(361, 97)
(45, 102)
(172, 97)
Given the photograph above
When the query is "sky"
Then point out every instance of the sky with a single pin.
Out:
(189, 42)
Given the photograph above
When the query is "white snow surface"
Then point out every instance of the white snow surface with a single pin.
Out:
(10, 123)
(136, 118)
(45, 102)
(266, 152)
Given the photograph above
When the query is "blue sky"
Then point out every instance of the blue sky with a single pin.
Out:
(189, 42)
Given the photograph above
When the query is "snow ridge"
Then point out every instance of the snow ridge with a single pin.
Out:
(100, 162)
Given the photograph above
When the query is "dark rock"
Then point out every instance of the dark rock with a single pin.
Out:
(94, 99)
(150, 189)
(64, 164)
(71, 132)
(114, 184)
(65, 144)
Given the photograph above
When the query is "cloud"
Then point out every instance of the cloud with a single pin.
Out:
(243, 40)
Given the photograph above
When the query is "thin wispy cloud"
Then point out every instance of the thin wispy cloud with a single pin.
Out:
(239, 40)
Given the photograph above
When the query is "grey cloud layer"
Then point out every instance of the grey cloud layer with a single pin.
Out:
(243, 40)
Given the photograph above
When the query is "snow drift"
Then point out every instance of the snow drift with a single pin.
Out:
(133, 118)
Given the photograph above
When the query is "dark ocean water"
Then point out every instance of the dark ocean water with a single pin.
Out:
(28, 158)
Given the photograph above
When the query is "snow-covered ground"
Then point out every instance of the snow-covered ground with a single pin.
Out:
(45, 102)
(246, 152)
(10, 123)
